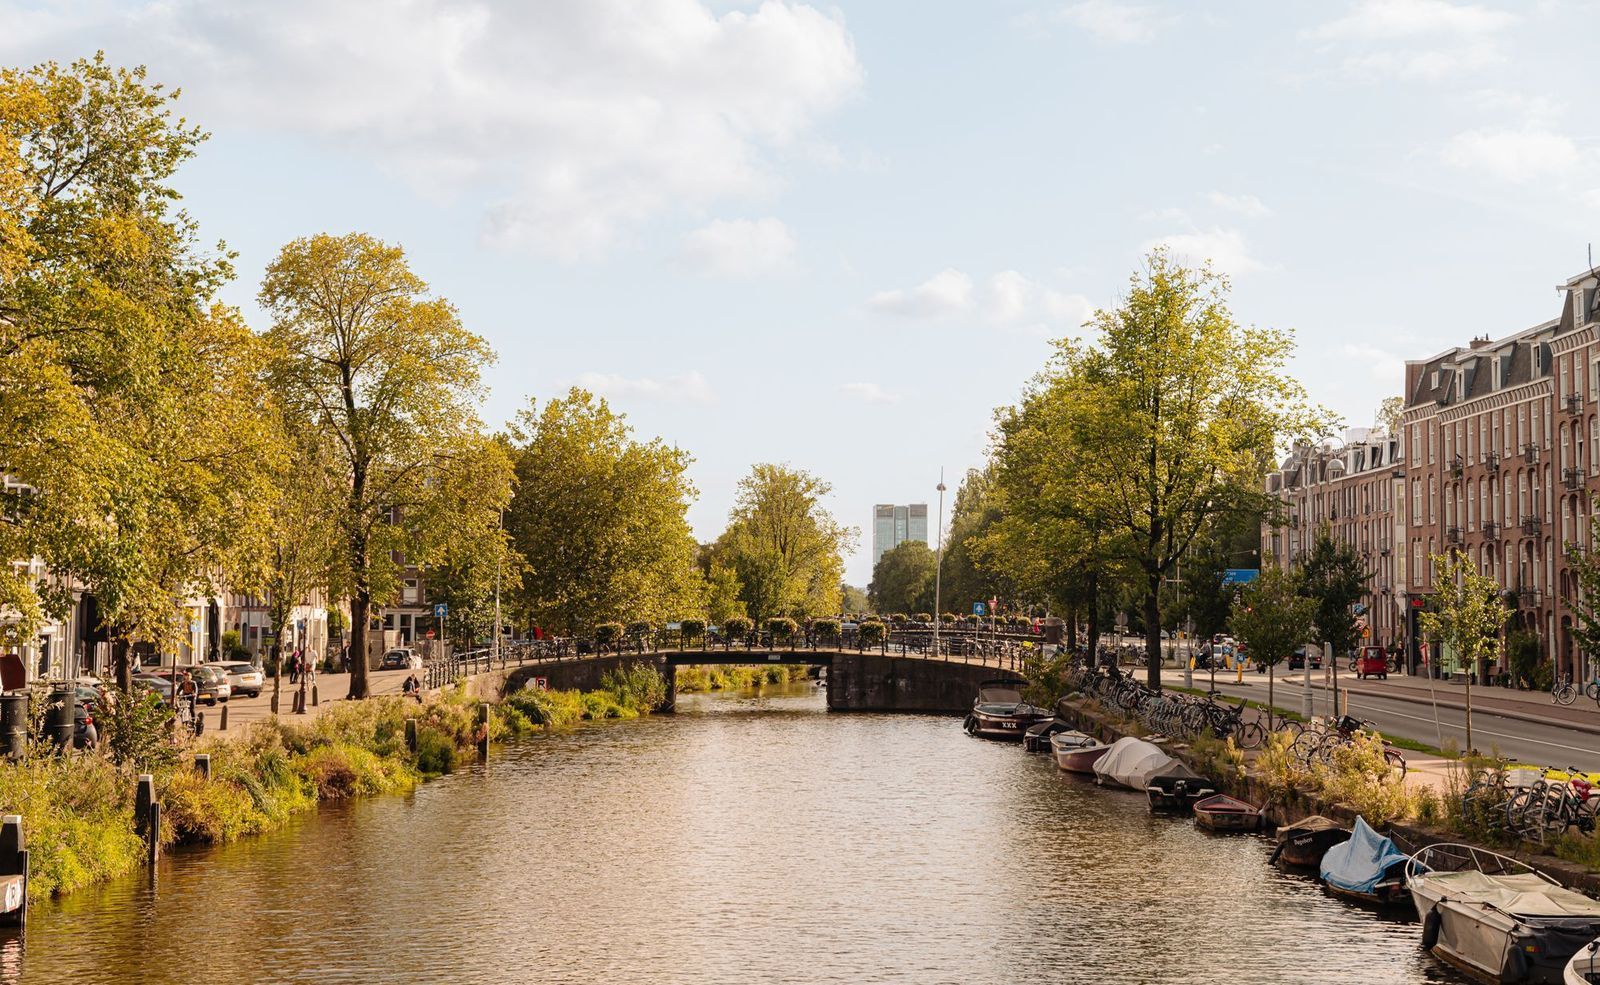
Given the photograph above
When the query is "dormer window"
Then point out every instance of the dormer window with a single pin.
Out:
(1433, 380)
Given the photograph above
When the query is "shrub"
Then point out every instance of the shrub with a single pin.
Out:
(873, 632)
(608, 633)
(738, 627)
(898, 618)
(1359, 776)
(640, 627)
(136, 730)
(825, 629)
(923, 617)
(436, 753)
(948, 618)
(638, 687)
(781, 627)
(692, 628)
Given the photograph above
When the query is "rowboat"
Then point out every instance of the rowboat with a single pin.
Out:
(1076, 752)
(1176, 789)
(1584, 968)
(1498, 919)
(1221, 812)
(1302, 844)
(1366, 868)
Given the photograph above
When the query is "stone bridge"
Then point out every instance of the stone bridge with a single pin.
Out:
(881, 679)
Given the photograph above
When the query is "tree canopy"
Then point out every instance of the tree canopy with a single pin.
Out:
(784, 545)
(902, 580)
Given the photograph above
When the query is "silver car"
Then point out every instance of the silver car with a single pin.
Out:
(246, 679)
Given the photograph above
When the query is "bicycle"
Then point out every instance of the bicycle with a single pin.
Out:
(1592, 689)
(1562, 692)
(1343, 733)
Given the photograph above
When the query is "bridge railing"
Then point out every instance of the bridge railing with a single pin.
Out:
(1003, 651)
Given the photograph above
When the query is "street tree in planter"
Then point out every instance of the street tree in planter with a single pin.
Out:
(1271, 618)
(1466, 612)
(1335, 576)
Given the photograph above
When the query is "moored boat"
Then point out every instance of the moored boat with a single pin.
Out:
(1000, 713)
(1302, 844)
(1037, 737)
(1220, 812)
(1176, 788)
(1076, 752)
(1584, 968)
(1366, 868)
(1130, 763)
(1498, 919)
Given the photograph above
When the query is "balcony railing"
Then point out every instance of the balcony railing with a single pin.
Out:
(1491, 530)
(1493, 461)
(1573, 403)
(1530, 525)
(1527, 598)
(1457, 466)
(1530, 452)
(1572, 478)
(1452, 535)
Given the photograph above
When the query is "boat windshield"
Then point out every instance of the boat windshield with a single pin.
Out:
(1000, 696)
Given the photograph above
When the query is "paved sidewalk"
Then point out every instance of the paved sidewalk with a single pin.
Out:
(331, 689)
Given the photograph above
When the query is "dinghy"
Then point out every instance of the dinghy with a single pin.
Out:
(1221, 812)
(1366, 868)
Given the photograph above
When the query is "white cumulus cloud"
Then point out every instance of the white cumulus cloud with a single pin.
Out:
(1225, 248)
(1416, 39)
(739, 247)
(869, 393)
(1013, 299)
(573, 121)
(945, 293)
(685, 388)
(1513, 155)
(1115, 22)
(1246, 205)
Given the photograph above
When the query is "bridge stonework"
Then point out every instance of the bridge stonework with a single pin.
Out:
(857, 681)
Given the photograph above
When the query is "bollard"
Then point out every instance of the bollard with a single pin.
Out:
(154, 848)
(483, 733)
(224, 726)
(14, 723)
(202, 764)
(411, 734)
(147, 816)
(313, 695)
(13, 873)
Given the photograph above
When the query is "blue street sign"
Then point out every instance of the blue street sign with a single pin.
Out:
(440, 610)
(1240, 576)
(977, 608)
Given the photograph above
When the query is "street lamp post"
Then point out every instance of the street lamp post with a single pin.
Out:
(938, 569)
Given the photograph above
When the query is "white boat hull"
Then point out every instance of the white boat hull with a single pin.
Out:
(1584, 968)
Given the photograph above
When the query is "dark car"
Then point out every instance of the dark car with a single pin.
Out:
(401, 658)
(1298, 660)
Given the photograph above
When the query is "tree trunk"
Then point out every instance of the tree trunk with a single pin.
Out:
(276, 653)
(360, 615)
(1152, 629)
(122, 664)
(1072, 631)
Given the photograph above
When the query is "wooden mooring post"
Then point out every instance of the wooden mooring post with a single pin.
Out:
(147, 816)
(483, 733)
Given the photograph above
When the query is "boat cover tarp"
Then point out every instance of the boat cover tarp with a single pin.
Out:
(1168, 778)
(1359, 863)
(1309, 825)
(1131, 762)
(1523, 894)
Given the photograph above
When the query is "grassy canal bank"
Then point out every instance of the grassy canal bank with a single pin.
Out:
(78, 809)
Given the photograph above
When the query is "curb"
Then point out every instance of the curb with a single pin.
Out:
(1520, 716)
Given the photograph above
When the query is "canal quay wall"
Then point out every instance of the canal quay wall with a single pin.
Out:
(1286, 807)
(865, 681)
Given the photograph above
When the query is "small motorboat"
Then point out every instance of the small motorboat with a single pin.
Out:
(1220, 812)
(1584, 968)
(1000, 713)
(1496, 918)
(1130, 763)
(1175, 789)
(1366, 868)
(1037, 737)
(1301, 845)
(1076, 752)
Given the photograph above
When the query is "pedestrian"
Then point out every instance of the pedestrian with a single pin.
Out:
(294, 666)
(91, 735)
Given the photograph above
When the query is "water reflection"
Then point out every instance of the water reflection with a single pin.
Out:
(743, 840)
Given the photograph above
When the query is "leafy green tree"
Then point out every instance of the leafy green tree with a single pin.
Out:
(785, 546)
(974, 513)
(1334, 574)
(902, 580)
(1177, 410)
(1271, 618)
(388, 374)
(853, 599)
(1465, 613)
(600, 518)
(1584, 563)
(720, 590)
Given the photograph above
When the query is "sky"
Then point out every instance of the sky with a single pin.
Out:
(840, 236)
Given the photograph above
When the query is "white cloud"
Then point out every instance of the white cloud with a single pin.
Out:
(1513, 155)
(869, 393)
(1012, 299)
(1117, 23)
(1245, 205)
(685, 388)
(1393, 20)
(574, 120)
(945, 293)
(1417, 39)
(1384, 366)
(739, 247)
(1225, 248)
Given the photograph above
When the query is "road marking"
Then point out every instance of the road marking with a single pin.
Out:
(1498, 735)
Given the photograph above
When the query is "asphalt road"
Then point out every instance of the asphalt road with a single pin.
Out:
(1541, 743)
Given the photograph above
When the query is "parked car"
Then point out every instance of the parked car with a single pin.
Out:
(1372, 661)
(211, 684)
(244, 678)
(160, 686)
(401, 658)
(1298, 660)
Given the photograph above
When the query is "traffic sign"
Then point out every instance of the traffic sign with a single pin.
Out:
(542, 683)
(1240, 576)
(977, 608)
(428, 634)
(440, 610)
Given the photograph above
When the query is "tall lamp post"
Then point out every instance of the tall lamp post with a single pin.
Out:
(938, 569)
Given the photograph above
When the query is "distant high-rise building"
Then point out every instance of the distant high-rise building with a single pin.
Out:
(894, 525)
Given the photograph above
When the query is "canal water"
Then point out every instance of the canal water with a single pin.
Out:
(746, 839)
